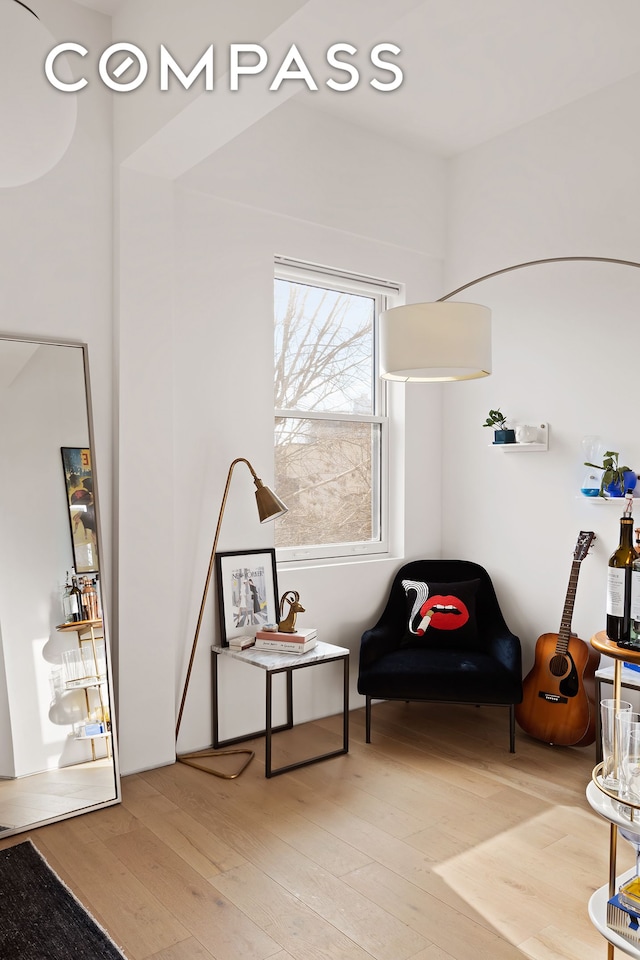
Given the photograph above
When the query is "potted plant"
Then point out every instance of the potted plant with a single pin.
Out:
(502, 433)
(616, 481)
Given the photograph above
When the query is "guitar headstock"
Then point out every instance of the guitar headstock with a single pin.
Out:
(584, 543)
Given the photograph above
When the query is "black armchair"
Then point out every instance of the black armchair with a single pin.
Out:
(441, 637)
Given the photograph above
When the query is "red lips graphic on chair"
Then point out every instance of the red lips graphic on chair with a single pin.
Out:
(445, 613)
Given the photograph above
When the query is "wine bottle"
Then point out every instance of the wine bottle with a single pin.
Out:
(76, 592)
(619, 584)
(69, 603)
(635, 603)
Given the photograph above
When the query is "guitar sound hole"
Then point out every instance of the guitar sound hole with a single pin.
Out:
(558, 665)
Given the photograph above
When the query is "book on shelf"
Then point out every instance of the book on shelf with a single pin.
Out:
(623, 920)
(281, 646)
(241, 643)
(300, 636)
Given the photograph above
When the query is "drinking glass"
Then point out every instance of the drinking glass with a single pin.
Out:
(610, 752)
(628, 741)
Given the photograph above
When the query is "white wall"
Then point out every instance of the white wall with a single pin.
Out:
(55, 247)
(566, 346)
(186, 29)
(196, 391)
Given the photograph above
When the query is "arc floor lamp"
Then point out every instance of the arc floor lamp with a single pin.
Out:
(269, 507)
(425, 342)
(442, 341)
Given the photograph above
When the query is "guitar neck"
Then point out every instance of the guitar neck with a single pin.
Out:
(564, 633)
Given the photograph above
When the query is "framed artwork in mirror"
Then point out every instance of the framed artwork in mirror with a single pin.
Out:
(78, 478)
(247, 592)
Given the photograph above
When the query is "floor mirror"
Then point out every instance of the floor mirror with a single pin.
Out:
(58, 755)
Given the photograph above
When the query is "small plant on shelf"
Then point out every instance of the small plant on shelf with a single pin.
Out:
(615, 480)
(497, 420)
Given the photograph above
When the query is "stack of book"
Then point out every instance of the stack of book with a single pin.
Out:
(299, 642)
(241, 643)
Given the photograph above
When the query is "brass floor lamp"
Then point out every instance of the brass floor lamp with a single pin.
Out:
(269, 507)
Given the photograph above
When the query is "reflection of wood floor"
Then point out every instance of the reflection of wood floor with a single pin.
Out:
(431, 843)
(45, 795)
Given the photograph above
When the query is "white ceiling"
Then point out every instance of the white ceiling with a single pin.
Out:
(474, 70)
(103, 6)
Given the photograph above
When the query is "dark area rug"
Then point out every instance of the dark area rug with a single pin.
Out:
(40, 919)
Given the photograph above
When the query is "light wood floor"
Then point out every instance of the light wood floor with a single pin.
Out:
(431, 843)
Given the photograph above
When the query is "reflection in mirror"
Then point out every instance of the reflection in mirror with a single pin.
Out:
(57, 755)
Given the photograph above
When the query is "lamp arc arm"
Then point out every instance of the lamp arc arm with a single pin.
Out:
(533, 263)
(207, 584)
(27, 8)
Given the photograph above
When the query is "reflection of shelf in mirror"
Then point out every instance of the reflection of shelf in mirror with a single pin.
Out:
(94, 736)
(78, 625)
(84, 684)
(534, 447)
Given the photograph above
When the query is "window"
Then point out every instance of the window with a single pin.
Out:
(330, 421)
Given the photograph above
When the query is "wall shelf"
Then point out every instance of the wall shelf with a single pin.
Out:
(621, 501)
(534, 447)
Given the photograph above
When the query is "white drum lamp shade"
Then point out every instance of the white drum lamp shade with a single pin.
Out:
(435, 342)
(37, 121)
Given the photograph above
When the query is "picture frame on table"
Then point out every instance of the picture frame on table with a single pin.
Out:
(247, 592)
(78, 481)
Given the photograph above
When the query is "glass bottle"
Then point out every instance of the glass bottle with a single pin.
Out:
(635, 601)
(89, 600)
(69, 603)
(619, 584)
(77, 593)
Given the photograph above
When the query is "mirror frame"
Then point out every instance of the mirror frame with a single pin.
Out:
(117, 798)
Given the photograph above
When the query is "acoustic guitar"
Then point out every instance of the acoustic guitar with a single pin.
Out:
(558, 704)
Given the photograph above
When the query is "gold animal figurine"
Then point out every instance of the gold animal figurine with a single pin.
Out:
(288, 624)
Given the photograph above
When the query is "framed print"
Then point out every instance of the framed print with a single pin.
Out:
(78, 478)
(247, 592)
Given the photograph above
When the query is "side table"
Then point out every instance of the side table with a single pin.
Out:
(272, 664)
(598, 902)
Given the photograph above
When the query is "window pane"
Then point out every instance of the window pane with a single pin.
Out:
(326, 473)
(323, 349)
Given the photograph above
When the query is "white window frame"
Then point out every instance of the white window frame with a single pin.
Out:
(386, 294)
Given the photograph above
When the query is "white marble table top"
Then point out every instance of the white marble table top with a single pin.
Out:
(270, 660)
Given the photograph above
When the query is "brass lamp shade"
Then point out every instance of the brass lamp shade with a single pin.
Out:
(270, 506)
(435, 342)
